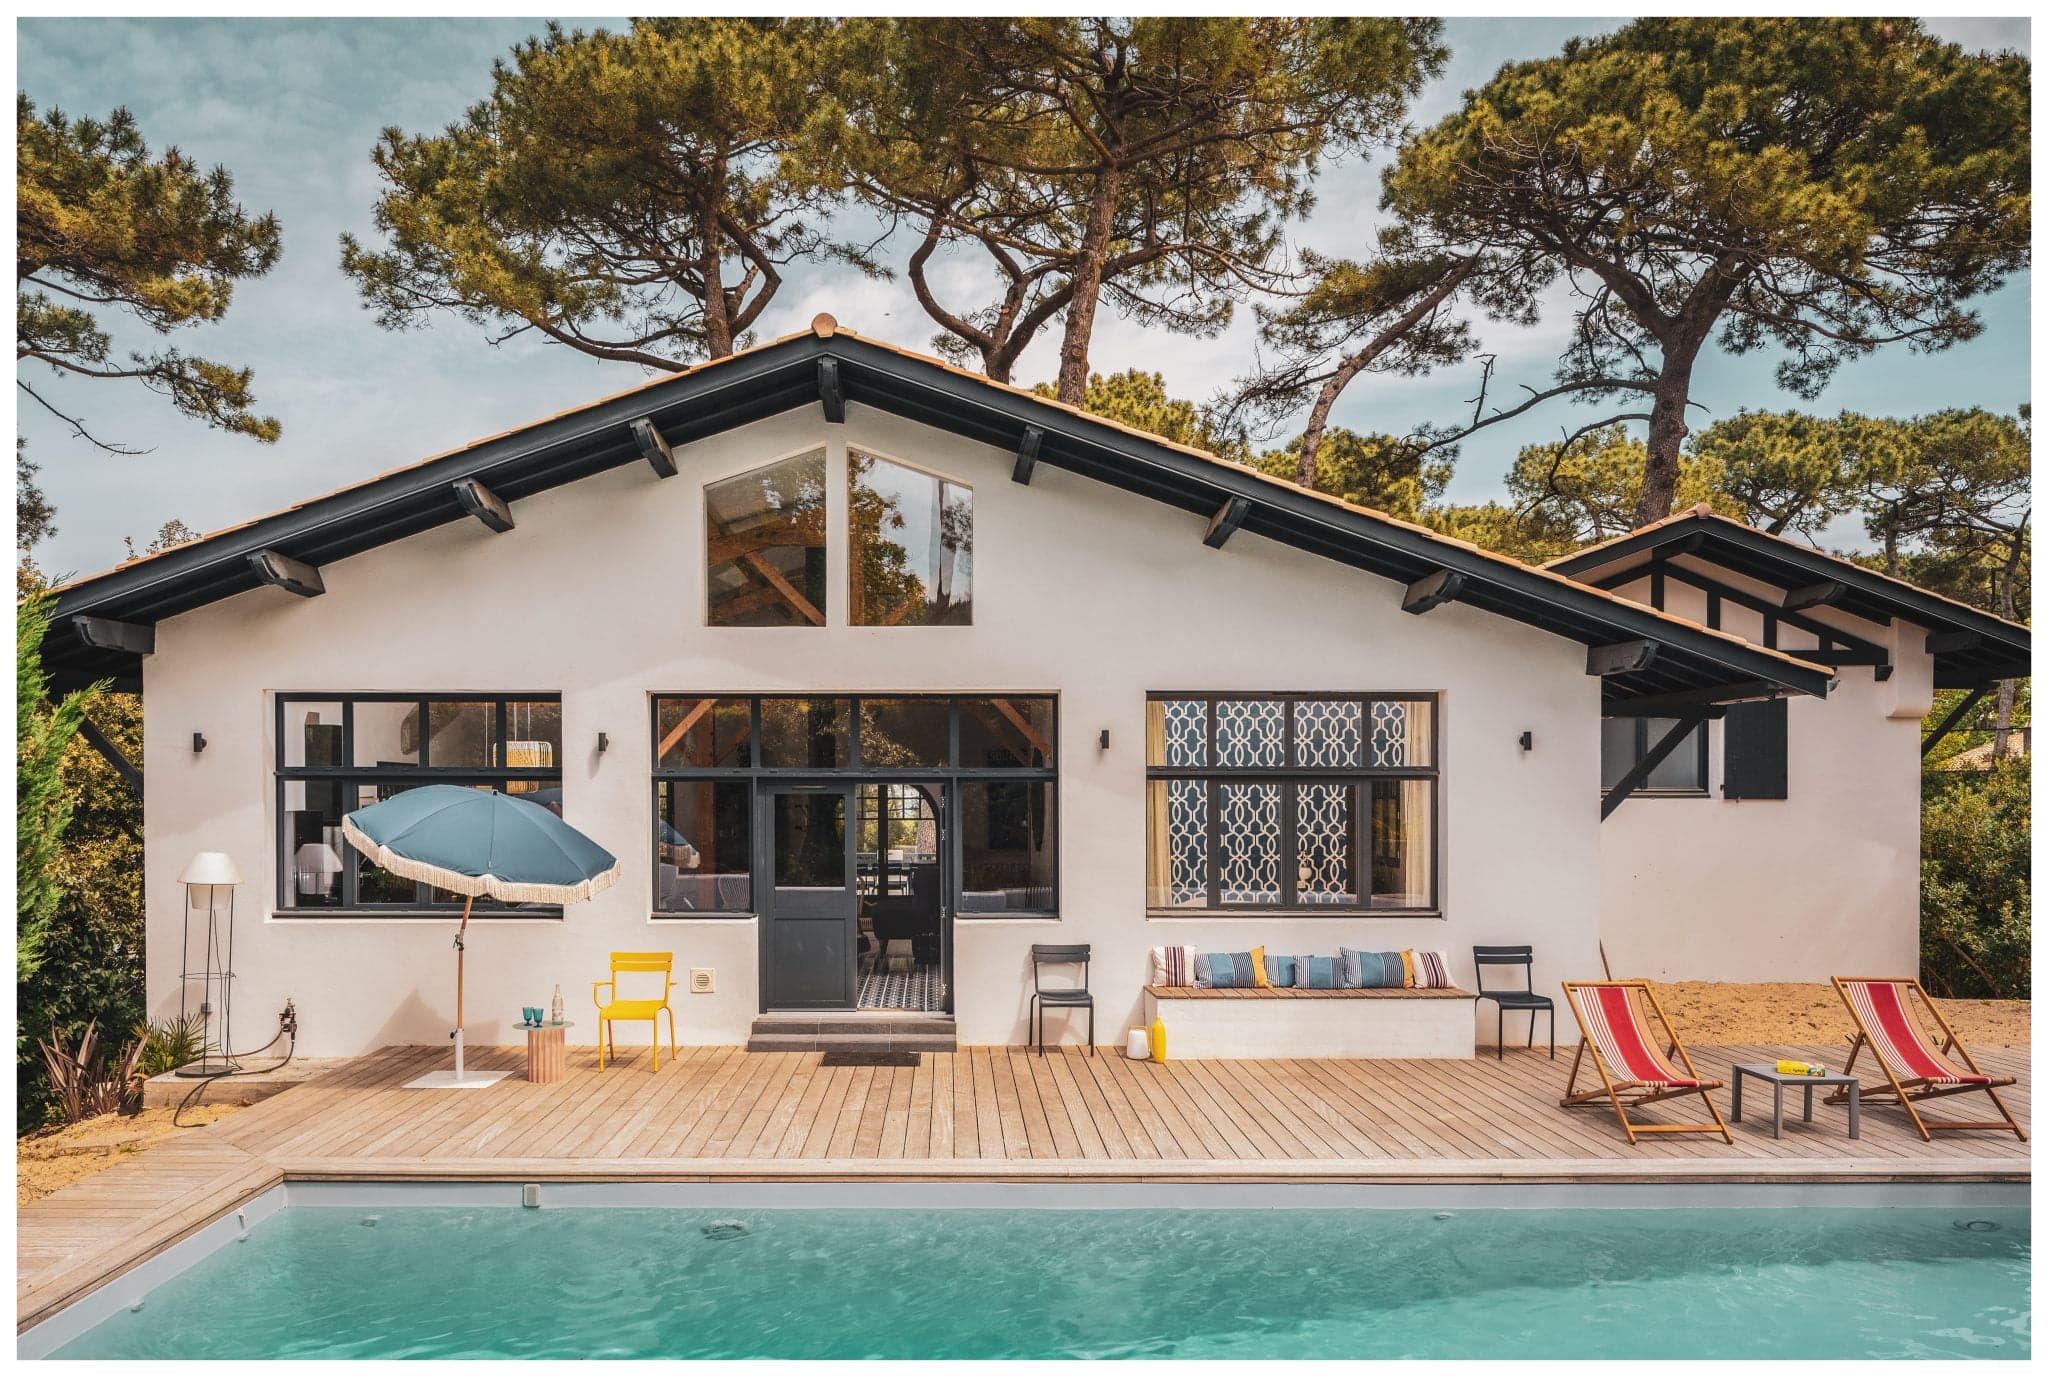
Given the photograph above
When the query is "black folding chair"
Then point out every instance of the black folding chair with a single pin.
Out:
(1058, 996)
(1525, 998)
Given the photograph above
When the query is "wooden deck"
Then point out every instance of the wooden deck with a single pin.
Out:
(983, 1113)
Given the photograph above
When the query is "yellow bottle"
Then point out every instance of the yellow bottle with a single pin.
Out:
(1158, 1039)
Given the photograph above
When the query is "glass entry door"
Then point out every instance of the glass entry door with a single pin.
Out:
(809, 913)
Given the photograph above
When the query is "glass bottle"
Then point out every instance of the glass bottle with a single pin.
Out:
(555, 1009)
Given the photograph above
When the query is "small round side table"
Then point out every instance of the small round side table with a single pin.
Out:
(547, 1057)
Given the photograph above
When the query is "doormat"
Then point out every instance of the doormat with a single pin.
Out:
(861, 1056)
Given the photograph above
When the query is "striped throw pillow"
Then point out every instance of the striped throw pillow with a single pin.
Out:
(1173, 966)
(1431, 970)
(1234, 970)
(1280, 971)
(1374, 970)
(1317, 972)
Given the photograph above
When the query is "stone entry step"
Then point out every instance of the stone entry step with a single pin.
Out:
(877, 1032)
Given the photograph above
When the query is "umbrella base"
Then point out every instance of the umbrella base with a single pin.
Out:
(450, 1080)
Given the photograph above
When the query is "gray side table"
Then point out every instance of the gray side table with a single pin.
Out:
(1766, 1071)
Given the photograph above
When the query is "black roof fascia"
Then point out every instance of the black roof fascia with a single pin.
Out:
(783, 376)
(2002, 650)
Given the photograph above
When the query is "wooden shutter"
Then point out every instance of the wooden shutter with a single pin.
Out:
(1753, 750)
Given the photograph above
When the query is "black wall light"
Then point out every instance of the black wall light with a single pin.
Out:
(1102, 741)
(604, 743)
(1528, 741)
(198, 743)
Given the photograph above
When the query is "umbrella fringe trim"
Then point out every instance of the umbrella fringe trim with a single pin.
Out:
(477, 886)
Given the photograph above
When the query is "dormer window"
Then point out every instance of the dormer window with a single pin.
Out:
(913, 545)
(764, 545)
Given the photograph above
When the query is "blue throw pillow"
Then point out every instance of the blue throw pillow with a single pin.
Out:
(1231, 970)
(1280, 971)
(1372, 970)
(1317, 972)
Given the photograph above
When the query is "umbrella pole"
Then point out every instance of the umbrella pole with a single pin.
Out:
(458, 983)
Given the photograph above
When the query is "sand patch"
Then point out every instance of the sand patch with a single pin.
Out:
(55, 1158)
(1709, 1012)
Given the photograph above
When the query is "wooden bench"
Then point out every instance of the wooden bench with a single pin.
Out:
(1269, 1023)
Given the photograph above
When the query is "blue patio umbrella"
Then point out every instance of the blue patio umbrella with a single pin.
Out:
(480, 842)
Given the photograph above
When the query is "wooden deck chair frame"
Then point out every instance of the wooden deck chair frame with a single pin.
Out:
(1625, 1095)
(1906, 1092)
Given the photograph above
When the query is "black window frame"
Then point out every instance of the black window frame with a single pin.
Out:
(951, 774)
(352, 776)
(1645, 737)
(1290, 777)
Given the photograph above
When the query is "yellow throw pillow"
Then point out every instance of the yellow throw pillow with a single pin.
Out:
(1259, 981)
(1407, 970)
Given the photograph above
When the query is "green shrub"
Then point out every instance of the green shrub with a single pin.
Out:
(1976, 910)
(169, 1044)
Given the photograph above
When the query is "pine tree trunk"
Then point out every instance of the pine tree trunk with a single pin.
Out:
(2008, 608)
(1319, 421)
(1667, 438)
(1087, 283)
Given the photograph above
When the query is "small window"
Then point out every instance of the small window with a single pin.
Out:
(764, 545)
(1626, 740)
(913, 545)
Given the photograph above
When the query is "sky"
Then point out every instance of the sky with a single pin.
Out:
(292, 108)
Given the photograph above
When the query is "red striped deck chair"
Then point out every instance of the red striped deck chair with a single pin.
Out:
(1633, 1072)
(1912, 1065)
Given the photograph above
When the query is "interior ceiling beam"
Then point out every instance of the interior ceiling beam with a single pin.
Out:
(105, 633)
(282, 571)
(1224, 524)
(1027, 454)
(1826, 593)
(831, 392)
(654, 448)
(1432, 591)
(483, 504)
(1622, 657)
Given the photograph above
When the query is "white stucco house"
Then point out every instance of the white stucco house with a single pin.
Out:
(874, 674)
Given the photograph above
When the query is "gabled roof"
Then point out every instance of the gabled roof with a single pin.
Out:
(829, 366)
(1970, 647)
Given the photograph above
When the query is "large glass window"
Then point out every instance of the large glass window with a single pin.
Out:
(992, 755)
(338, 753)
(764, 545)
(1290, 801)
(913, 545)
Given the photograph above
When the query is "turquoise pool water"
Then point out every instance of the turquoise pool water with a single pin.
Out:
(416, 1282)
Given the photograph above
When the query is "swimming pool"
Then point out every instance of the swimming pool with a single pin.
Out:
(384, 1280)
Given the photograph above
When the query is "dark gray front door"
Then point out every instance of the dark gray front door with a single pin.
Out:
(809, 922)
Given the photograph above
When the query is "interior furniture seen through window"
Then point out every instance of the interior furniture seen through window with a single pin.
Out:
(1626, 740)
(764, 545)
(912, 546)
(340, 752)
(1290, 801)
(991, 758)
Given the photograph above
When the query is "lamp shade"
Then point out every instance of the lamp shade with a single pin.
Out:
(317, 858)
(212, 868)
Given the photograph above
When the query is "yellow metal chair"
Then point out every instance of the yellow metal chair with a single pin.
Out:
(611, 1009)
